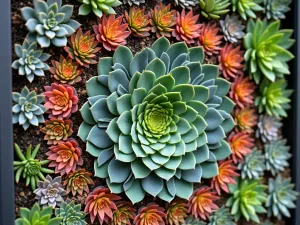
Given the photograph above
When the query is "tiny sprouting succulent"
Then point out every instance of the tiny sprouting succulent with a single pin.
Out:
(71, 213)
(267, 222)
(187, 28)
(65, 156)
(232, 28)
(266, 50)
(248, 197)
(188, 4)
(221, 217)
(163, 20)
(192, 221)
(29, 167)
(247, 8)
(31, 60)
(253, 166)
(50, 192)
(36, 216)
(133, 2)
(268, 128)
(78, 181)
(176, 213)
(61, 100)
(66, 71)
(99, 7)
(201, 203)
(246, 119)
(100, 204)
(227, 172)
(281, 197)
(231, 61)
(277, 156)
(57, 130)
(274, 98)
(138, 22)
(83, 48)
(28, 108)
(276, 9)
(209, 38)
(151, 214)
(49, 22)
(241, 144)
(242, 90)
(111, 32)
(124, 215)
(213, 9)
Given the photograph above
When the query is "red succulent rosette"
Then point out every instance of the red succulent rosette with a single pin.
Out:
(209, 38)
(151, 214)
(125, 214)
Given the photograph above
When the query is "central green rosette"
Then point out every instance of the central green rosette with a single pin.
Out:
(157, 121)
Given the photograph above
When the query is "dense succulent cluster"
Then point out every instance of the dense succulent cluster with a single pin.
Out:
(99, 7)
(221, 217)
(232, 28)
(138, 22)
(268, 128)
(209, 38)
(70, 213)
(213, 9)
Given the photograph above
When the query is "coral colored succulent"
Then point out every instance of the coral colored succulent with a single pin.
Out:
(213, 9)
(187, 28)
(268, 128)
(227, 171)
(78, 181)
(57, 130)
(124, 215)
(151, 214)
(246, 119)
(71, 213)
(247, 8)
(83, 48)
(163, 20)
(201, 203)
(176, 213)
(66, 71)
(100, 203)
(241, 144)
(61, 100)
(209, 38)
(231, 61)
(99, 7)
(111, 32)
(138, 22)
(232, 28)
(242, 90)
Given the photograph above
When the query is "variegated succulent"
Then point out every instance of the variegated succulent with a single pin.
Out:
(70, 213)
(247, 8)
(188, 4)
(133, 2)
(213, 9)
(138, 22)
(276, 9)
(232, 28)
(221, 217)
(268, 128)
(99, 7)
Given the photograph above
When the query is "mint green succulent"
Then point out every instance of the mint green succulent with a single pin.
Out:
(276, 9)
(247, 8)
(213, 9)
(36, 216)
(281, 198)
(192, 221)
(71, 213)
(49, 22)
(267, 53)
(221, 217)
(99, 7)
(156, 122)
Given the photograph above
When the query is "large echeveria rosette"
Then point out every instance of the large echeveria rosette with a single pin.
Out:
(157, 121)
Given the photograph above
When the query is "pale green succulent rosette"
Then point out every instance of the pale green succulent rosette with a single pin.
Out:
(99, 7)
(157, 121)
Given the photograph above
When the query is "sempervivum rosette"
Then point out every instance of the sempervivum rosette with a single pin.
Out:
(157, 121)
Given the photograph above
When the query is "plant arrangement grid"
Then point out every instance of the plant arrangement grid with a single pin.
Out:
(151, 112)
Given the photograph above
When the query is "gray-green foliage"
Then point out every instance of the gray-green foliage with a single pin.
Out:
(189, 4)
(192, 221)
(221, 217)
(71, 213)
(232, 28)
(99, 7)
(276, 9)
(247, 8)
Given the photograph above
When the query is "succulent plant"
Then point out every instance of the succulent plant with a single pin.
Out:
(246, 119)
(241, 144)
(247, 8)
(157, 110)
(36, 216)
(267, 53)
(192, 221)
(242, 90)
(268, 128)
(248, 197)
(232, 28)
(267, 222)
(100, 203)
(83, 48)
(187, 28)
(57, 130)
(275, 9)
(28, 167)
(111, 32)
(124, 214)
(151, 214)
(209, 38)
(28, 108)
(70, 213)
(66, 71)
(99, 7)
(274, 98)
(135, 2)
(221, 217)
(213, 9)
(281, 197)
(176, 213)
(49, 22)
(201, 203)
(227, 171)
(31, 60)
(188, 4)
(78, 181)
(163, 20)
(138, 22)
(50, 192)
